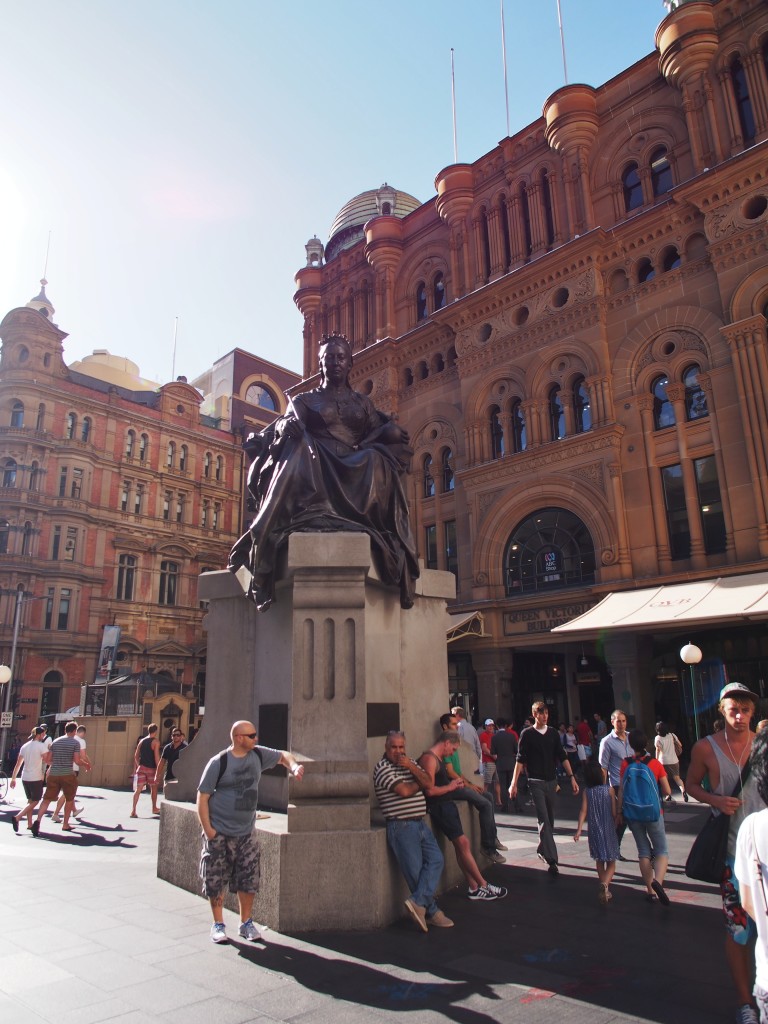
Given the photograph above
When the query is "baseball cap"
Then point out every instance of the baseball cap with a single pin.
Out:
(489, 721)
(737, 690)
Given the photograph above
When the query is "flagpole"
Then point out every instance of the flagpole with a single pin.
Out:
(504, 60)
(453, 103)
(562, 40)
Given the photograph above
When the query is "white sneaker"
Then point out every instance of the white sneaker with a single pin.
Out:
(218, 932)
(248, 930)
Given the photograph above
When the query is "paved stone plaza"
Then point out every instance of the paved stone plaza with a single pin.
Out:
(90, 934)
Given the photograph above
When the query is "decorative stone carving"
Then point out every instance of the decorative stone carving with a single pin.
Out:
(593, 472)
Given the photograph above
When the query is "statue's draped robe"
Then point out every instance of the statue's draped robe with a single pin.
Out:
(339, 475)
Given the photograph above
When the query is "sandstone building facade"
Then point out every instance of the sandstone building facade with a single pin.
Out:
(115, 494)
(574, 332)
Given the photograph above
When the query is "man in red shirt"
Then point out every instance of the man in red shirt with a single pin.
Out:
(650, 836)
(489, 762)
(584, 741)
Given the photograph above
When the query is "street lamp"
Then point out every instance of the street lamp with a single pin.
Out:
(691, 655)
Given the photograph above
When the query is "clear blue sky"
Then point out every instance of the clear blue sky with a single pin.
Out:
(182, 152)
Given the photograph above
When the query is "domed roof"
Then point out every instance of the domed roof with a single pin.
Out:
(347, 227)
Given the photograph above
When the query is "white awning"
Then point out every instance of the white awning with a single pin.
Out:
(465, 624)
(732, 599)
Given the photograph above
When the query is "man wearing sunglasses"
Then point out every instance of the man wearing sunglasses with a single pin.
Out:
(227, 799)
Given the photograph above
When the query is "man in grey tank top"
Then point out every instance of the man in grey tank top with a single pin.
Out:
(722, 757)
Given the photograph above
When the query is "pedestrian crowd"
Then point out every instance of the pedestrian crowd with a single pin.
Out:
(624, 779)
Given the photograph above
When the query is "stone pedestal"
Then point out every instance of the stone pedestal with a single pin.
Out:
(325, 672)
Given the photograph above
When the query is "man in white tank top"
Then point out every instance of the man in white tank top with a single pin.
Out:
(722, 757)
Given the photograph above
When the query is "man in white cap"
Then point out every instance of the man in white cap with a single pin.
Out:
(723, 757)
(490, 774)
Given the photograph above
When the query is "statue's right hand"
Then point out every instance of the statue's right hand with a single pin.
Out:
(292, 427)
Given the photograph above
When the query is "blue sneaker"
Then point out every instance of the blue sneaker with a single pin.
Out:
(218, 932)
(248, 930)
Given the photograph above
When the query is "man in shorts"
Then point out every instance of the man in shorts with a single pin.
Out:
(722, 757)
(227, 799)
(30, 761)
(84, 760)
(63, 755)
(146, 759)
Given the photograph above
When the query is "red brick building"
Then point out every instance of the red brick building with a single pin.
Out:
(115, 494)
(574, 332)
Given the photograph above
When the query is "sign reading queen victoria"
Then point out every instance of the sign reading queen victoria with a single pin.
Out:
(542, 619)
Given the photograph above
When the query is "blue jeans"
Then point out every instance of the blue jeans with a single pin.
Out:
(419, 859)
(483, 803)
(650, 834)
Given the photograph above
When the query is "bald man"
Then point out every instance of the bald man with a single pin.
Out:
(226, 806)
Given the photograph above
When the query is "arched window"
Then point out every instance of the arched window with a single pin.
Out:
(219, 467)
(171, 455)
(143, 448)
(438, 291)
(183, 457)
(446, 460)
(743, 102)
(407, 376)
(34, 477)
(207, 465)
(663, 411)
(429, 480)
(661, 172)
(485, 240)
(421, 301)
(257, 394)
(526, 221)
(581, 410)
(130, 443)
(632, 186)
(496, 432)
(695, 398)
(71, 426)
(40, 425)
(126, 573)
(26, 539)
(504, 222)
(422, 370)
(169, 575)
(9, 473)
(556, 415)
(17, 414)
(519, 442)
(5, 530)
(670, 259)
(85, 430)
(549, 550)
(645, 271)
(546, 196)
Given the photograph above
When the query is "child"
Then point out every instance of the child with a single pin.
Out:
(598, 809)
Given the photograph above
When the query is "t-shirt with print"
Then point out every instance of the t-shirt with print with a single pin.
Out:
(751, 848)
(63, 752)
(33, 770)
(233, 803)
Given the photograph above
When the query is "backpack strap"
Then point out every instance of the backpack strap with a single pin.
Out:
(223, 762)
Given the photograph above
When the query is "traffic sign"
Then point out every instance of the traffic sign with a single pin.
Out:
(6, 719)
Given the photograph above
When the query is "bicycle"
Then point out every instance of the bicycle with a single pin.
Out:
(3, 786)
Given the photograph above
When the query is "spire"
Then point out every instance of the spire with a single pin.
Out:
(41, 302)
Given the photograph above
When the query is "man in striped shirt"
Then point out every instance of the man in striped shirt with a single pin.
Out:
(64, 753)
(399, 783)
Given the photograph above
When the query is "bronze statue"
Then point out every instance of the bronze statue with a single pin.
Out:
(332, 463)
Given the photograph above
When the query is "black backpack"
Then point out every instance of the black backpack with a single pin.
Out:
(223, 763)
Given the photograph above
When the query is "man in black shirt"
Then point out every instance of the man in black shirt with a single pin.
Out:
(169, 755)
(540, 748)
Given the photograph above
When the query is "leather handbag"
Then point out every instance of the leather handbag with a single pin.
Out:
(706, 860)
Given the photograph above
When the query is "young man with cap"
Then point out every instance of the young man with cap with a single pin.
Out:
(723, 758)
(490, 774)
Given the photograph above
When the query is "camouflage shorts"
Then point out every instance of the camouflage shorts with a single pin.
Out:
(229, 860)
